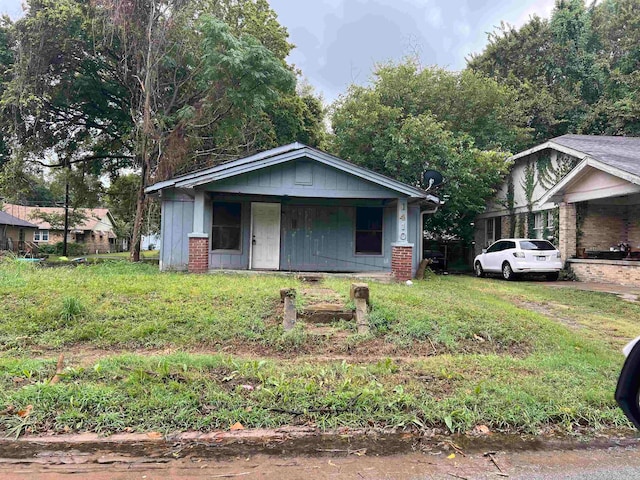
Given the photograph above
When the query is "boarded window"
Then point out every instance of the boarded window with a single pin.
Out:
(369, 230)
(304, 173)
(226, 234)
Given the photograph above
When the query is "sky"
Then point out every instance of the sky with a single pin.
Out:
(338, 42)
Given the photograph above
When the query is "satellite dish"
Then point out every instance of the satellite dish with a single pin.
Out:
(432, 179)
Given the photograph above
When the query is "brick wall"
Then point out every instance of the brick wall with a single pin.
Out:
(567, 234)
(633, 225)
(198, 255)
(604, 226)
(601, 271)
(401, 262)
(91, 243)
(94, 243)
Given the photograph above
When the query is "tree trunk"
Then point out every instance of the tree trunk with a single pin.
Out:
(65, 237)
(141, 203)
(147, 133)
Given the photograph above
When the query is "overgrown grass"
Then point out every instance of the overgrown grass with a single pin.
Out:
(492, 359)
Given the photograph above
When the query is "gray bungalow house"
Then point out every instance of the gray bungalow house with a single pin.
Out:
(292, 208)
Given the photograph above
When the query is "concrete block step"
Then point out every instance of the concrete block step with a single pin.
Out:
(326, 313)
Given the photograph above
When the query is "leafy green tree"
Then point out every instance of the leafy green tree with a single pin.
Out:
(574, 73)
(77, 216)
(6, 62)
(390, 127)
(465, 102)
(162, 86)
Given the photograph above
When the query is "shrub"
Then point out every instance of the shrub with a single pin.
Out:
(47, 249)
(73, 249)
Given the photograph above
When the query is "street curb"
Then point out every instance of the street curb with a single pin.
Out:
(291, 441)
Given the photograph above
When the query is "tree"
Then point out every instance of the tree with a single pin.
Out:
(120, 197)
(162, 86)
(6, 62)
(57, 220)
(397, 127)
(574, 73)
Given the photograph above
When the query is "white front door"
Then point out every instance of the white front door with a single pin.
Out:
(265, 232)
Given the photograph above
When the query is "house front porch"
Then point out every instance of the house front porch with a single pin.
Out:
(293, 208)
(599, 220)
(293, 234)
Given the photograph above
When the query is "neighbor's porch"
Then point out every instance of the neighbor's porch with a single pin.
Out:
(600, 238)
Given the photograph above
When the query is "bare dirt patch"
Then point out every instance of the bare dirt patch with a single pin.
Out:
(551, 310)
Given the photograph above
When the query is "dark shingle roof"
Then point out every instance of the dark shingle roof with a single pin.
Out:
(6, 219)
(618, 152)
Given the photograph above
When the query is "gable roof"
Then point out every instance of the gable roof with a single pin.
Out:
(6, 219)
(26, 213)
(620, 153)
(618, 156)
(283, 154)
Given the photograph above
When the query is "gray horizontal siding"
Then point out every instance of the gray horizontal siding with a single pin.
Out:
(316, 234)
(302, 178)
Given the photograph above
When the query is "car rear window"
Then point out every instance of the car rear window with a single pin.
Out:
(536, 245)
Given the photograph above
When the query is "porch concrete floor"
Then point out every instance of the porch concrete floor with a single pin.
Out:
(382, 277)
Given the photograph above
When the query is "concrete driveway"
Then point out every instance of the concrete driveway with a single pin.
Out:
(627, 293)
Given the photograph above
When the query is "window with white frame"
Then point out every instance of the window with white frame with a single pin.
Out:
(538, 225)
(41, 236)
(493, 230)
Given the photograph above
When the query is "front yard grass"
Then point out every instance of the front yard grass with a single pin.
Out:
(151, 351)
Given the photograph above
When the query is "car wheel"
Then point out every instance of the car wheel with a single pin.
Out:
(507, 271)
(479, 270)
(552, 277)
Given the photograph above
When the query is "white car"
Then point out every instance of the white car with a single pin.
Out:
(515, 256)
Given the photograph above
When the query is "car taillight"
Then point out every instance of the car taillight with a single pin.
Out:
(518, 254)
(558, 255)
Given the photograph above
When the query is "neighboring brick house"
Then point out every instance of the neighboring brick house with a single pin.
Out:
(95, 233)
(583, 193)
(15, 234)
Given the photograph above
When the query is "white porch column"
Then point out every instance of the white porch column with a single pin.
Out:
(401, 249)
(198, 238)
(198, 212)
(402, 216)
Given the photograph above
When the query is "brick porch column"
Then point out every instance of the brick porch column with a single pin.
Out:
(198, 253)
(401, 249)
(401, 261)
(198, 239)
(567, 234)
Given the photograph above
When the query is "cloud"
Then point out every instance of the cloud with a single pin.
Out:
(433, 16)
(541, 8)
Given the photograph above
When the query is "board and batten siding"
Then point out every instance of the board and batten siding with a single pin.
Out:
(176, 224)
(323, 238)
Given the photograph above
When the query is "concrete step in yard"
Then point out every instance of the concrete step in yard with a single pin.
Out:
(326, 313)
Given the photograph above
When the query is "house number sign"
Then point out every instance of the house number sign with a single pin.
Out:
(402, 220)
